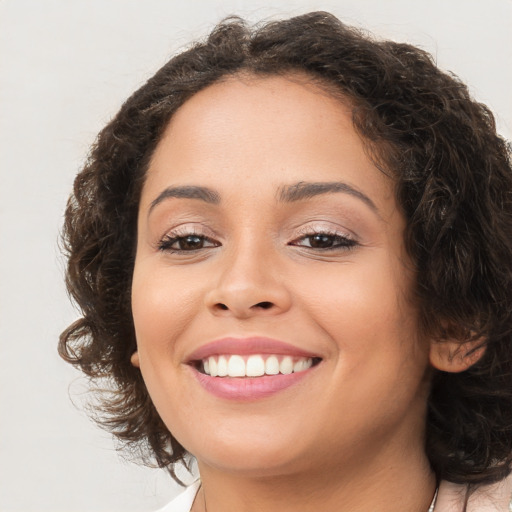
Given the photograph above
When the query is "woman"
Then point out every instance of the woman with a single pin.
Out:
(292, 249)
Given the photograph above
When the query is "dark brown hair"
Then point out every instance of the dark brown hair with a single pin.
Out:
(454, 184)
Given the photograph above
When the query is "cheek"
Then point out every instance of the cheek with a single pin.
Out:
(163, 304)
(356, 298)
(163, 307)
(365, 310)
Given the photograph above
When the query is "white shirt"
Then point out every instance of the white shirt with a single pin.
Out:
(183, 502)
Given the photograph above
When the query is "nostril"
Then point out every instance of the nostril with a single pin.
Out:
(264, 305)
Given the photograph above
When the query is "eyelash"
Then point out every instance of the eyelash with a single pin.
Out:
(338, 241)
(169, 240)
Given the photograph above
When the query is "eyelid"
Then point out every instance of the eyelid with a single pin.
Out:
(325, 228)
(346, 240)
(186, 229)
(190, 228)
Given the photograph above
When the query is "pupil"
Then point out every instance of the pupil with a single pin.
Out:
(321, 241)
(191, 242)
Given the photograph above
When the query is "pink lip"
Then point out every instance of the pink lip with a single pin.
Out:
(247, 388)
(247, 346)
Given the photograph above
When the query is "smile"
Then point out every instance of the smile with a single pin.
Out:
(255, 365)
(247, 369)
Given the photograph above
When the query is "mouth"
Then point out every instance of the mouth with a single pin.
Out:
(247, 369)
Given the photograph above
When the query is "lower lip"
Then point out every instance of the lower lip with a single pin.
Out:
(247, 388)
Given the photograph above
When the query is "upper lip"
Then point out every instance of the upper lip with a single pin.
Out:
(247, 346)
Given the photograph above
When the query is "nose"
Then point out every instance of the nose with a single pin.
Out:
(248, 284)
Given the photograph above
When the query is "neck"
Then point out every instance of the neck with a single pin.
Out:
(387, 485)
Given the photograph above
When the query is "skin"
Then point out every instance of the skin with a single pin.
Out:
(352, 431)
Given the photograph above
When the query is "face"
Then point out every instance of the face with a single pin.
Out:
(270, 248)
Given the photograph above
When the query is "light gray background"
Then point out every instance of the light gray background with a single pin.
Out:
(65, 68)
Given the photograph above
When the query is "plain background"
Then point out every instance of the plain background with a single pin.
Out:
(65, 68)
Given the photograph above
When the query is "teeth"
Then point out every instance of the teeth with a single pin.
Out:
(298, 366)
(272, 366)
(213, 366)
(302, 364)
(254, 366)
(236, 366)
(222, 366)
(286, 366)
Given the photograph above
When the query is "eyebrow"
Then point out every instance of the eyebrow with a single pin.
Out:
(285, 193)
(187, 192)
(307, 190)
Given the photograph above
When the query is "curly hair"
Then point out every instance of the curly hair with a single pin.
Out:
(453, 181)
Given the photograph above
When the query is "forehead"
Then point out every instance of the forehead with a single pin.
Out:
(263, 131)
(239, 108)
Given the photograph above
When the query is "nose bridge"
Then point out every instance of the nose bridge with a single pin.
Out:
(249, 281)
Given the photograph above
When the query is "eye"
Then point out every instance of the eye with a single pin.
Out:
(324, 241)
(186, 243)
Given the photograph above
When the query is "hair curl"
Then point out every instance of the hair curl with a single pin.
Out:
(453, 180)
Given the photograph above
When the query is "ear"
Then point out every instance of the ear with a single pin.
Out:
(135, 359)
(453, 356)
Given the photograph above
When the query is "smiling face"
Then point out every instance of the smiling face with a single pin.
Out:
(270, 250)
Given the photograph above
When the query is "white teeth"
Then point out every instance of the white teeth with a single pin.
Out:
(302, 364)
(213, 366)
(298, 366)
(286, 366)
(272, 366)
(255, 365)
(236, 366)
(222, 366)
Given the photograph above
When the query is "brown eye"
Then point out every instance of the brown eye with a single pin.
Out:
(190, 243)
(321, 241)
(325, 241)
(186, 243)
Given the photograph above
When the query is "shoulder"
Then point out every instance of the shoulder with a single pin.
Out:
(183, 502)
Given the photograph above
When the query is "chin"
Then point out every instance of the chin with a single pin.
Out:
(249, 463)
(257, 455)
